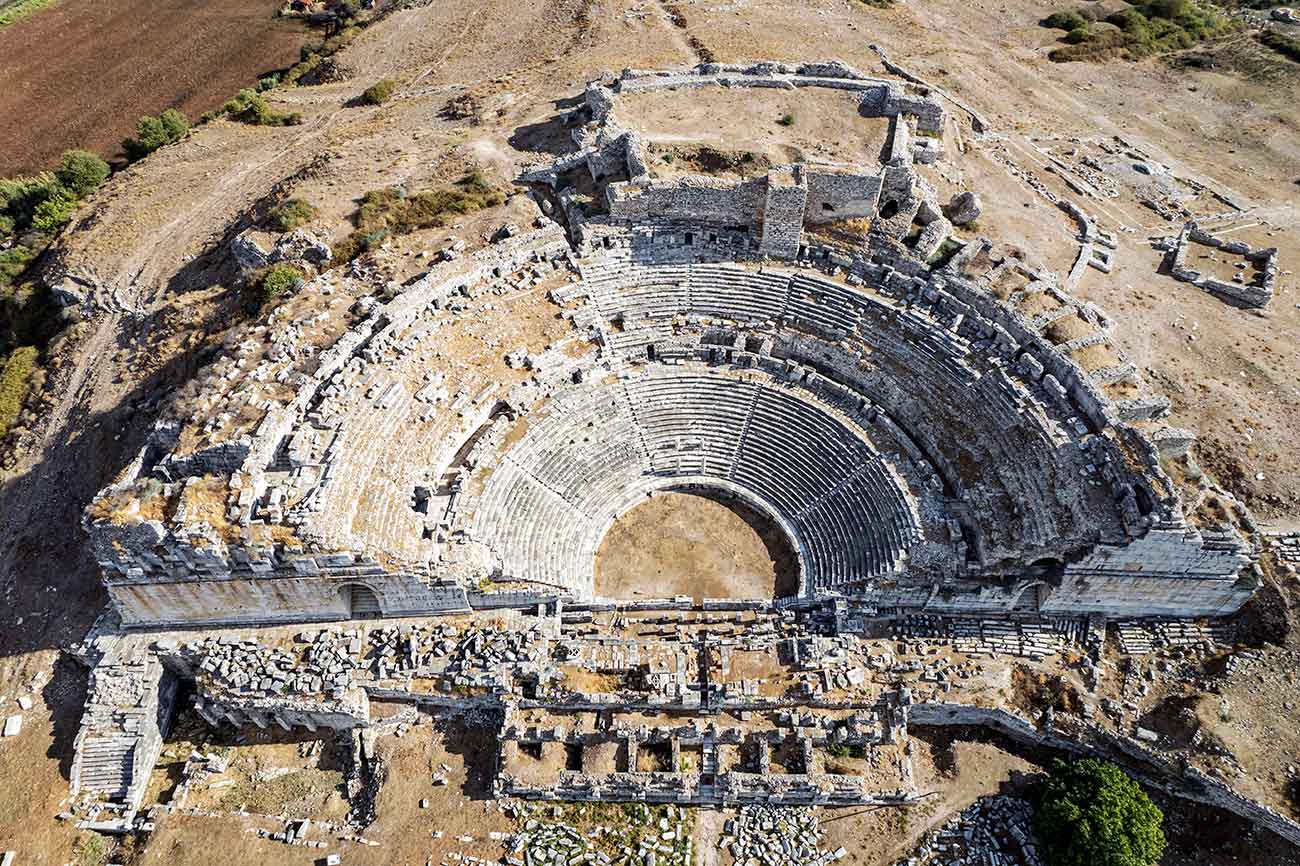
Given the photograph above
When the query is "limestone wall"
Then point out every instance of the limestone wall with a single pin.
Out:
(834, 195)
(276, 598)
(696, 198)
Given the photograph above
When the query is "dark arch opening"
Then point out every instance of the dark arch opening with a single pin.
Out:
(361, 601)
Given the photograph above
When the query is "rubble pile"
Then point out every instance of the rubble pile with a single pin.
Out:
(249, 667)
(994, 831)
(763, 835)
(648, 838)
(1139, 637)
(448, 649)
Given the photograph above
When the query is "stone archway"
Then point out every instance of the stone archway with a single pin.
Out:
(1031, 596)
(361, 601)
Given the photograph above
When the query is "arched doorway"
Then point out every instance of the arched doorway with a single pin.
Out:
(361, 601)
(1031, 596)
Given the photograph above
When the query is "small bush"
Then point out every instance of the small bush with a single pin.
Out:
(387, 212)
(15, 377)
(288, 215)
(278, 281)
(1067, 21)
(152, 133)
(55, 212)
(379, 92)
(251, 107)
(81, 171)
(786, 120)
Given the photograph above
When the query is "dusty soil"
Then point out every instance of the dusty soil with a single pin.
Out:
(80, 73)
(683, 544)
(824, 125)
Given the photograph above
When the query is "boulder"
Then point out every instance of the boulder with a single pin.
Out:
(248, 252)
(301, 245)
(964, 208)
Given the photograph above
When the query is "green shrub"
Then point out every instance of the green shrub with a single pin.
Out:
(15, 377)
(1089, 813)
(290, 214)
(270, 82)
(786, 120)
(13, 262)
(1287, 46)
(1069, 20)
(379, 92)
(81, 171)
(277, 281)
(152, 133)
(250, 107)
(1171, 9)
(55, 212)
(20, 196)
(387, 212)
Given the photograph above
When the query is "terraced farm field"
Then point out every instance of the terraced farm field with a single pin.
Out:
(79, 74)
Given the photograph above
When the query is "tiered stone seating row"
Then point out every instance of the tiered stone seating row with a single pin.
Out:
(600, 449)
(984, 429)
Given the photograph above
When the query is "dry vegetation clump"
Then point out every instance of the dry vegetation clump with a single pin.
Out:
(379, 92)
(290, 214)
(1142, 29)
(390, 212)
(1034, 691)
(145, 500)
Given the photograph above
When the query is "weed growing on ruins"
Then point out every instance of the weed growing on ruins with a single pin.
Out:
(288, 215)
(1144, 28)
(91, 850)
(786, 120)
(388, 212)
(1089, 813)
(379, 92)
(251, 107)
(152, 133)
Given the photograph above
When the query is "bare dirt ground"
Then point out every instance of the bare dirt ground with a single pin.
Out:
(79, 73)
(808, 125)
(683, 544)
(152, 238)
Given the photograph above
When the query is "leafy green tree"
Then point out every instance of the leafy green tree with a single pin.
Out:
(1089, 813)
(81, 171)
